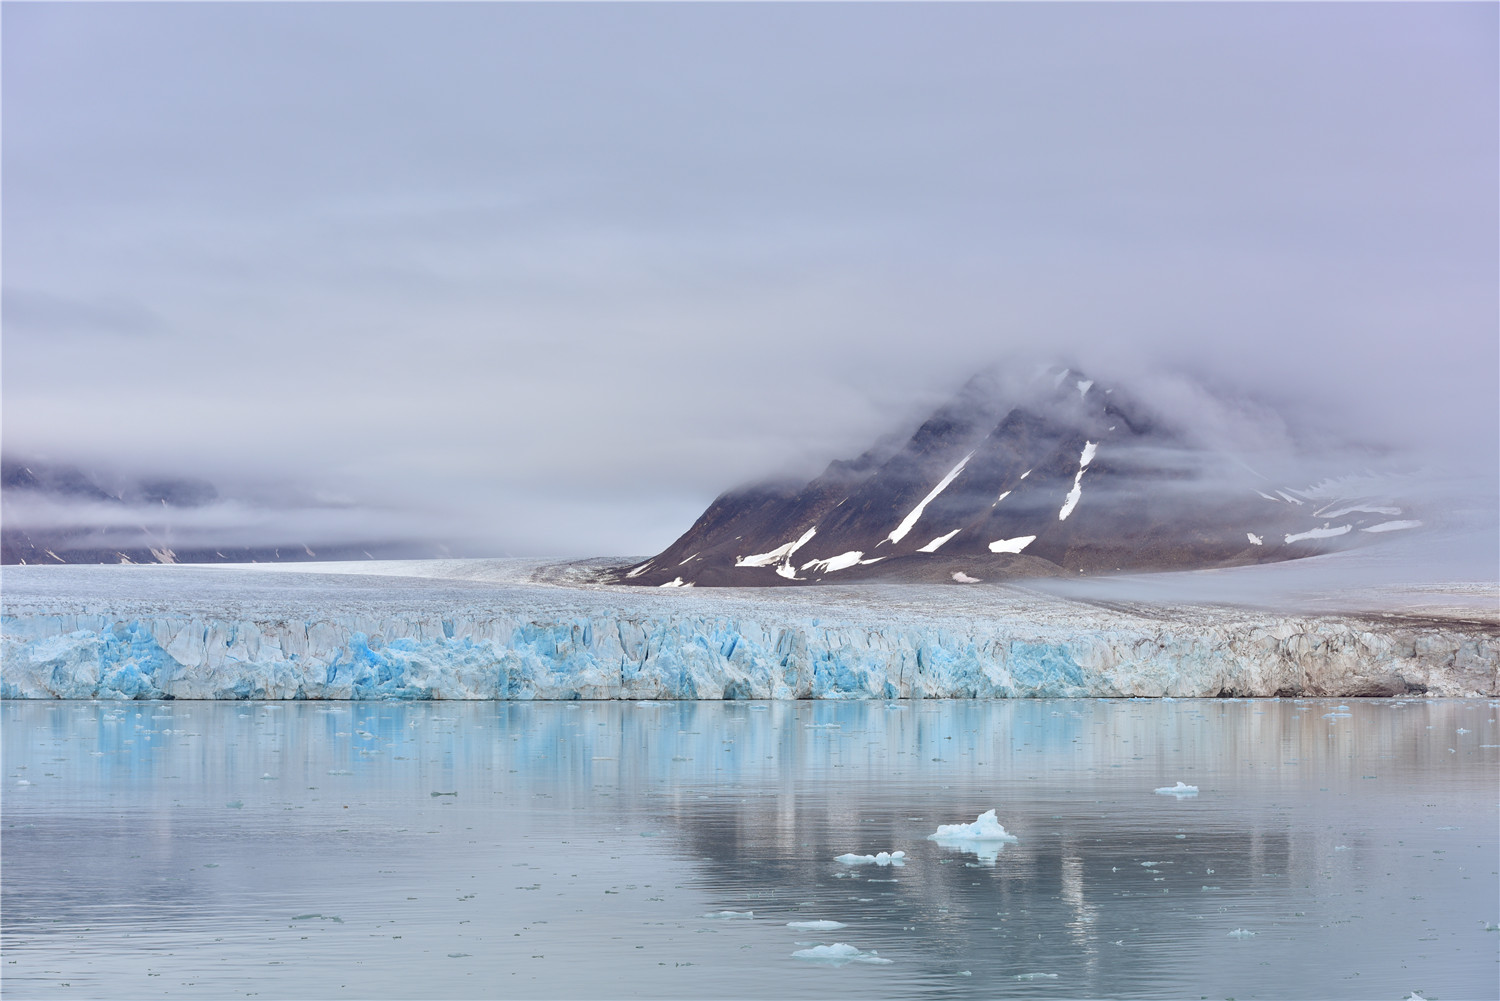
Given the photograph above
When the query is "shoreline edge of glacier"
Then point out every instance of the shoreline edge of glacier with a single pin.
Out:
(519, 630)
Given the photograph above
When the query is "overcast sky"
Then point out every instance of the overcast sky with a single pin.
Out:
(552, 277)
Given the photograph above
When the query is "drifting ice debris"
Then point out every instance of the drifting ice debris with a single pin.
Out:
(883, 858)
(1240, 933)
(1036, 976)
(838, 954)
(985, 828)
(1179, 790)
(816, 925)
(731, 915)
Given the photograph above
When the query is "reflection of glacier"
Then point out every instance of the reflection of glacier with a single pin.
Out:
(183, 632)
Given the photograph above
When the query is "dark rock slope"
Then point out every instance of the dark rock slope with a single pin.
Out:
(1064, 477)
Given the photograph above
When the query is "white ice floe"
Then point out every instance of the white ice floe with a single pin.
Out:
(985, 828)
(1179, 790)
(1318, 533)
(777, 555)
(964, 578)
(651, 704)
(932, 546)
(816, 925)
(1255, 540)
(1241, 933)
(731, 915)
(880, 858)
(838, 954)
(1015, 545)
(1393, 526)
(915, 515)
(1036, 976)
(840, 562)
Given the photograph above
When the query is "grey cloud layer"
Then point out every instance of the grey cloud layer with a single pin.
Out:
(551, 277)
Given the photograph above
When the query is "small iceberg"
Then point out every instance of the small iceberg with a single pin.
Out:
(1179, 790)
(1241, 933)
(985, 828)
(882, 858)
(731, 915)
(838, 954)
(984, 838)
(816, 925)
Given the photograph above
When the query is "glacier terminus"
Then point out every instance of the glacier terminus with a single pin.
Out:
(528, 630)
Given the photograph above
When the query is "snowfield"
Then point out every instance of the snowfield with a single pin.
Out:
(518, 629)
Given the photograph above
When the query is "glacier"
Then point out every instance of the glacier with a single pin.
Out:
(521, 630)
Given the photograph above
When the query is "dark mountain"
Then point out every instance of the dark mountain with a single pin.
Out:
(1061, 477)
(64, 514)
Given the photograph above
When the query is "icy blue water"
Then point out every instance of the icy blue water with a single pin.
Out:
(576, 849)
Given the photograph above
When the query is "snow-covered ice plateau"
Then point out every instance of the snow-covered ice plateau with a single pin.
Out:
(519, 629)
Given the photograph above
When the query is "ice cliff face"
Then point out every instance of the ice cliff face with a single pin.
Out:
(199, 633)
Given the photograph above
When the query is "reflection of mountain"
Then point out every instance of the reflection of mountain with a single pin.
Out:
(1109, 885)
(1060, 477)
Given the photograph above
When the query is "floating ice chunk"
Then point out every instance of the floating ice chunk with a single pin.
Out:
(964, 578)
(777, 555)
(985, 828)
(23, 782)
(1392, 526)
(840, 562)
(1241, 933)
(816, 925)
(651, 704)
(1318, 533)
(731, 915)
(932, 546)
(1015, 545)
(838, 954)
(907, 523)
(1179, 790)
(1036, 976)
(1255, 540)
(881, 858)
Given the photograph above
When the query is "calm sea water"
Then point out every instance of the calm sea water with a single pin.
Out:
(583, 850)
